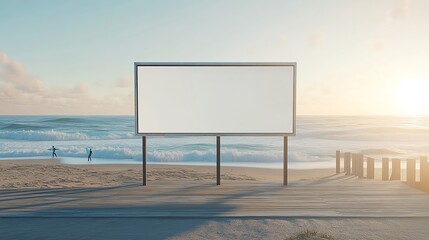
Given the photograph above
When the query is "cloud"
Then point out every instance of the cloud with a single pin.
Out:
(13, 75)
(18, 89)
(401, 10)
(21, 93)
(11, 71)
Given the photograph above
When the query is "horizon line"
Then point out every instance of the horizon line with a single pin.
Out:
(301, 115)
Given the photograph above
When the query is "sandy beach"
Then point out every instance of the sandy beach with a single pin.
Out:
(49, 200)
(50, 173)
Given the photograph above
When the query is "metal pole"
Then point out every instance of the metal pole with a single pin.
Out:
(144, 159)
(217, 160)
(285, 168)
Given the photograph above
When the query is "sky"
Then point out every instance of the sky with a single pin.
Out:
(76, 57)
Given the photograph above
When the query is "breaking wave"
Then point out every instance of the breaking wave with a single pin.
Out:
(117, 153)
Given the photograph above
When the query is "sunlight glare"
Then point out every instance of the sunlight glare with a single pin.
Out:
(412, 97)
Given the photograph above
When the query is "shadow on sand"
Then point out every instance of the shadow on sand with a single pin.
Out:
(41, 214)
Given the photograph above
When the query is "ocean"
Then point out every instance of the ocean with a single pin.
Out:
(113, 141)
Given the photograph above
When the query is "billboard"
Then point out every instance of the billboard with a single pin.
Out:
(219, 99)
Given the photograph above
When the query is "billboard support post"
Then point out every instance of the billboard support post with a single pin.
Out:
(144, 159)
(285, 167)
(217, 160)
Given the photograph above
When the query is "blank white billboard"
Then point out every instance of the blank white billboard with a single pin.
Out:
(215, 98)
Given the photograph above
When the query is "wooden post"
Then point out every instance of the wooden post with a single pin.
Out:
(285, 166)
(385, 169)
(337, 158)
(354, 164)
(144, 160)
(424, 171)
(360, 165)
(396, 169)
(347, 163)
(217, 160)
(370, 168)
(411, 171)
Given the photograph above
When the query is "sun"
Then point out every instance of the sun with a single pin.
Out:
(412, 97)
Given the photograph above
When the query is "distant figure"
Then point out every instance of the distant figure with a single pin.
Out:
(90, 154)
(53, 152)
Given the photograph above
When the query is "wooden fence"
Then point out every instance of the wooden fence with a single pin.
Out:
(354, 165)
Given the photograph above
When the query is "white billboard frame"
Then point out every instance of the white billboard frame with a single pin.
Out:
(213, 64)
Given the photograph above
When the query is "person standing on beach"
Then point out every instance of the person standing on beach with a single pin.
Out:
(53, 152)
(90, 154)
